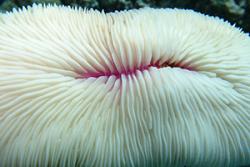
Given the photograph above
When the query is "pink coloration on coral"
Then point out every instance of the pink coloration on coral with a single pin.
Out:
(118, 74)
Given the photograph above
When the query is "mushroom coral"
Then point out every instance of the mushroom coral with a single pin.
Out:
(147, 87)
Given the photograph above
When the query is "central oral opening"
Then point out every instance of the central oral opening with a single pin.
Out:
(119, 73)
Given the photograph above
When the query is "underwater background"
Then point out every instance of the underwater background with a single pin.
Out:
(235, 11)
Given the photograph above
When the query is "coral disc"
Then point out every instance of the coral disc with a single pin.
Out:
(147, 87)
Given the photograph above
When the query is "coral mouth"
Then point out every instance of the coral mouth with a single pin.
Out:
(142, 68)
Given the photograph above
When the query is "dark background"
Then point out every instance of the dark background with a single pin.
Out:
(235, 11)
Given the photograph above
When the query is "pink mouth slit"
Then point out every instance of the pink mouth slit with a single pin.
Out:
(125, 72)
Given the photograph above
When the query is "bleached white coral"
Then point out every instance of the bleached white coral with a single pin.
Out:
(148, 87)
